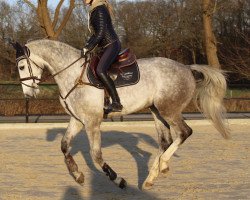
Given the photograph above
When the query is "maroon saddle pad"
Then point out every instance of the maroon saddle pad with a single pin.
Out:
(124, 71)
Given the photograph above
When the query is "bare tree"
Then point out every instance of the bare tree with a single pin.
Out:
(7, 67)
(172, 28)
(209, 7)
(51, 27)
(235, 54)
(76, 31)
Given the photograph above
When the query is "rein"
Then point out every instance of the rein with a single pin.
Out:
(79, 81)
(67, 67)
(35, 85)
(34, 78)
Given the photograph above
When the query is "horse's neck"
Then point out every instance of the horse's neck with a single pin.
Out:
(66, 81)
(67, 78)
(58, 59)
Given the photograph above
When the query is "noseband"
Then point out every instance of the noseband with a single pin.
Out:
(31, 77)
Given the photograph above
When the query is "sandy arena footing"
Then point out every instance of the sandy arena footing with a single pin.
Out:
(205, 167)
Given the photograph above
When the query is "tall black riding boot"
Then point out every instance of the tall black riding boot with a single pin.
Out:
(110, 86)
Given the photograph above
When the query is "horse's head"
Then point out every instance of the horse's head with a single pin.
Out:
(30, 68)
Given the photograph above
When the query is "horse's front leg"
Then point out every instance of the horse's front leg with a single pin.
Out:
(73, 128)
(94, 135)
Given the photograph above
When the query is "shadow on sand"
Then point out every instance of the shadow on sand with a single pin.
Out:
(101, 187)
(72, 194)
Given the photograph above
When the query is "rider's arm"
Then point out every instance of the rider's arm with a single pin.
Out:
(99, 23)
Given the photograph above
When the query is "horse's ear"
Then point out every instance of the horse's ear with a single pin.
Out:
(27, 51)
(20, 51)
(11, 42)
(17, 46)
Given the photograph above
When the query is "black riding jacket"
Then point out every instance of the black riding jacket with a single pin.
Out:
(101, 23)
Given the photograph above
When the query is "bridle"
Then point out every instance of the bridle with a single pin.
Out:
(26, 55)
(34, 78)
(31, 77)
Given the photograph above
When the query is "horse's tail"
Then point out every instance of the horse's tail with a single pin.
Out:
(210, 90)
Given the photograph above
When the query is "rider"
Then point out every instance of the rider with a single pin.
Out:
(105, 37)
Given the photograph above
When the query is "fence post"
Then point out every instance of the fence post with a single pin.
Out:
(27, 110)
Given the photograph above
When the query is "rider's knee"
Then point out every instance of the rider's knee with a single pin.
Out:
(100, 71)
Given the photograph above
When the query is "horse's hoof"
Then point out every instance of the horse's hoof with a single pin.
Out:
(120, 182)
(80, 179)
(147, 185)
(123, 184)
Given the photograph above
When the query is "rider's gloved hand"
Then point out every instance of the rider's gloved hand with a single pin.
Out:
(84, 52)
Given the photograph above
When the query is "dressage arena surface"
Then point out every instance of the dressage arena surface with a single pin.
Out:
(205, 167)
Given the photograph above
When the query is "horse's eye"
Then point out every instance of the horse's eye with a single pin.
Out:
(21, 67)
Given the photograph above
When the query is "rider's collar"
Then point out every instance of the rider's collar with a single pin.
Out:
(96, 3)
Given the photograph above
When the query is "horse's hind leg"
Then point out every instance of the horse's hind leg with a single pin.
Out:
(94, 135)
(164, 138)
(73, 128)
(183, 131)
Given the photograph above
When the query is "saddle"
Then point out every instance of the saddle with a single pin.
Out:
(124, 71)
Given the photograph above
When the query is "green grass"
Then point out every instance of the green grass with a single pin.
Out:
(238, 93)
(47, 101)
(11, 91)
(14, 91)
(51, 91)
(48, 91)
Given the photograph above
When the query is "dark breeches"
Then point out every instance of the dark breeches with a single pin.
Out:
(108, 58)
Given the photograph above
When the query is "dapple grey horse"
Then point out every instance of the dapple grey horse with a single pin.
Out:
(166, 87)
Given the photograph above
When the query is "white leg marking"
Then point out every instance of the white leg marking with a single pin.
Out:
(170, 151)
(164, 168)
(154, 171)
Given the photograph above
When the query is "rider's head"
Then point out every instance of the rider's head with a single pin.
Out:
(94, 3)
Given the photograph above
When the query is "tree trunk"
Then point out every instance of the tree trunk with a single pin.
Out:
(209, 37)
(51, 30)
